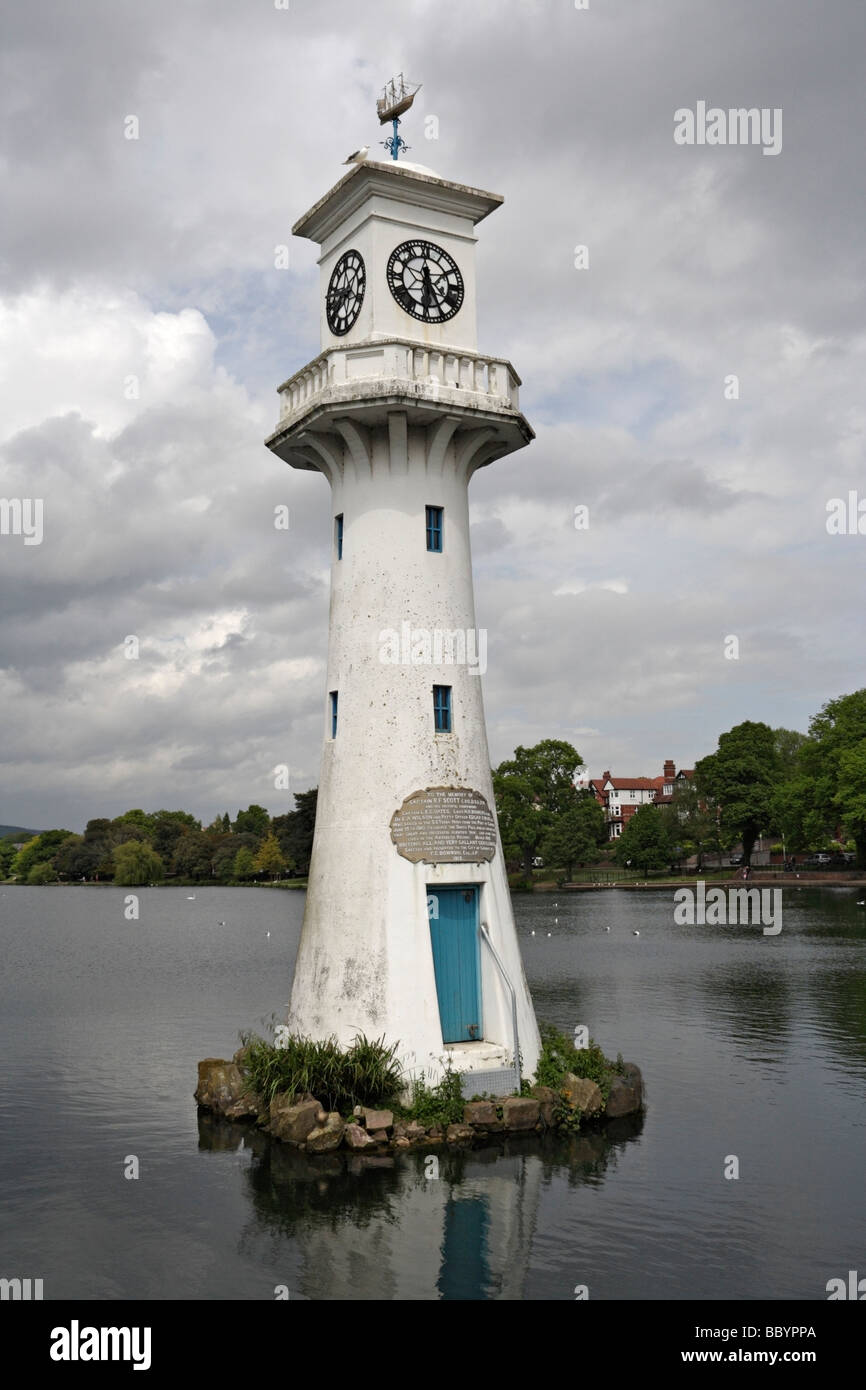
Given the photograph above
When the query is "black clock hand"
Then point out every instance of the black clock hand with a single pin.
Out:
(429, 293)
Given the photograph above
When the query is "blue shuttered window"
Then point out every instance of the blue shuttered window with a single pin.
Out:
(434, 528)
(333, 714)
(338, 521)
(442, 709)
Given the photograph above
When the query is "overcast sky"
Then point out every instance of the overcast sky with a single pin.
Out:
(154, 258)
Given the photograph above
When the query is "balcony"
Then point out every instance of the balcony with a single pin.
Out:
(402, 368)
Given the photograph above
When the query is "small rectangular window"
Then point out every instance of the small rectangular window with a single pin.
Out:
(442, 709)
(333, 714)
(434, 529)
(338, 522)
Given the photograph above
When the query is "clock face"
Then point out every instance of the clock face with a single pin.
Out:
(345, 292)
(425, 281)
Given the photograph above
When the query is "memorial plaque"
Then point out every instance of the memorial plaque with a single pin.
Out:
(444, 825)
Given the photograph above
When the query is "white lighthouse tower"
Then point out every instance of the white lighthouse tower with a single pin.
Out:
(408, 930)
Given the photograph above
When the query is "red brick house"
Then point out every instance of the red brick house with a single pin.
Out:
(620, 797)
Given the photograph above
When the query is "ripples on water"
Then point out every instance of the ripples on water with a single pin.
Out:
(750, 1046)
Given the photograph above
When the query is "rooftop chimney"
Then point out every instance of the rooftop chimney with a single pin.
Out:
(670, 769)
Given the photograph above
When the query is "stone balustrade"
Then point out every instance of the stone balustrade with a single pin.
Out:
(484, 380)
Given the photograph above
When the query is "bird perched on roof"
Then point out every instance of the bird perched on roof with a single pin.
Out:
(359, 156)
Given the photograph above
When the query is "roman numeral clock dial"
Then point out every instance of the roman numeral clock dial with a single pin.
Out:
(425, 281)
(345, 292)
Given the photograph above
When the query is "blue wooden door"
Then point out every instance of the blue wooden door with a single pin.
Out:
(453, 916)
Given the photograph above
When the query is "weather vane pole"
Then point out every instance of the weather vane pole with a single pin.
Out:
(397, 96)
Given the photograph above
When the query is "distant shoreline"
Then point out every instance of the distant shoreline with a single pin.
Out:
(778, 879)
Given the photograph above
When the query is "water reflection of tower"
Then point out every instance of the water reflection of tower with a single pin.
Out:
(355, 1228)
(465, 1235)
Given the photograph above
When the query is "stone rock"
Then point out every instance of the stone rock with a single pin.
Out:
(378, 1136)
(292, 1122)
(626, 1093)
(481, 1114)
(459, 1134)
(377, 1119)
(327, 1136)
(242, 1055)
(357, 1138)
(547, 1098)
(583, 1094)
(400, 1130)
(401, 1142)
(250, 1106)
(520, 1113)
(220, 1084)
(415, 1131)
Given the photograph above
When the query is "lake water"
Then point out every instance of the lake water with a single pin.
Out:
(751, 1046)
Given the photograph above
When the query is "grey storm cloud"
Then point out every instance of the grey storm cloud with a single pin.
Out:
(145, 324)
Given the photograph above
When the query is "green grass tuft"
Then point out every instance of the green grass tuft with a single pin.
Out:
(366, 1073)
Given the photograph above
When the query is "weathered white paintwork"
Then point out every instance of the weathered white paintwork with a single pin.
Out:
(397, 416)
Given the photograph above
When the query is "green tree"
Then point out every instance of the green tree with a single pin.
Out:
(224, 862)
(168, 827)
(25, 858)
(694, 823)
(226, 852)
(99, 839)
(76, 858)
(789, 746)
(244, 866)
(646, 840)
(138, 820)
(253, 821)
(7, 855)
(39, 850)
(295, 830)
(851, 795)
(269, 859)
(741, 778)
(42, 873)
(800, 811)
(136, 863)
(532, 789)
(832, 758)
(193, 855)
(575, 836)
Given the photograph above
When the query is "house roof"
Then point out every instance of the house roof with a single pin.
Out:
(631, 783)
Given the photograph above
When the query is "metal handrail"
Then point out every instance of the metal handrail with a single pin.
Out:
(509, 986)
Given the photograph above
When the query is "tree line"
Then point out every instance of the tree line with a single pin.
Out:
(807, 789)
(149, 847)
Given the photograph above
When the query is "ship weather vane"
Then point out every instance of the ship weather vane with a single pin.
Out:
(397, 96)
